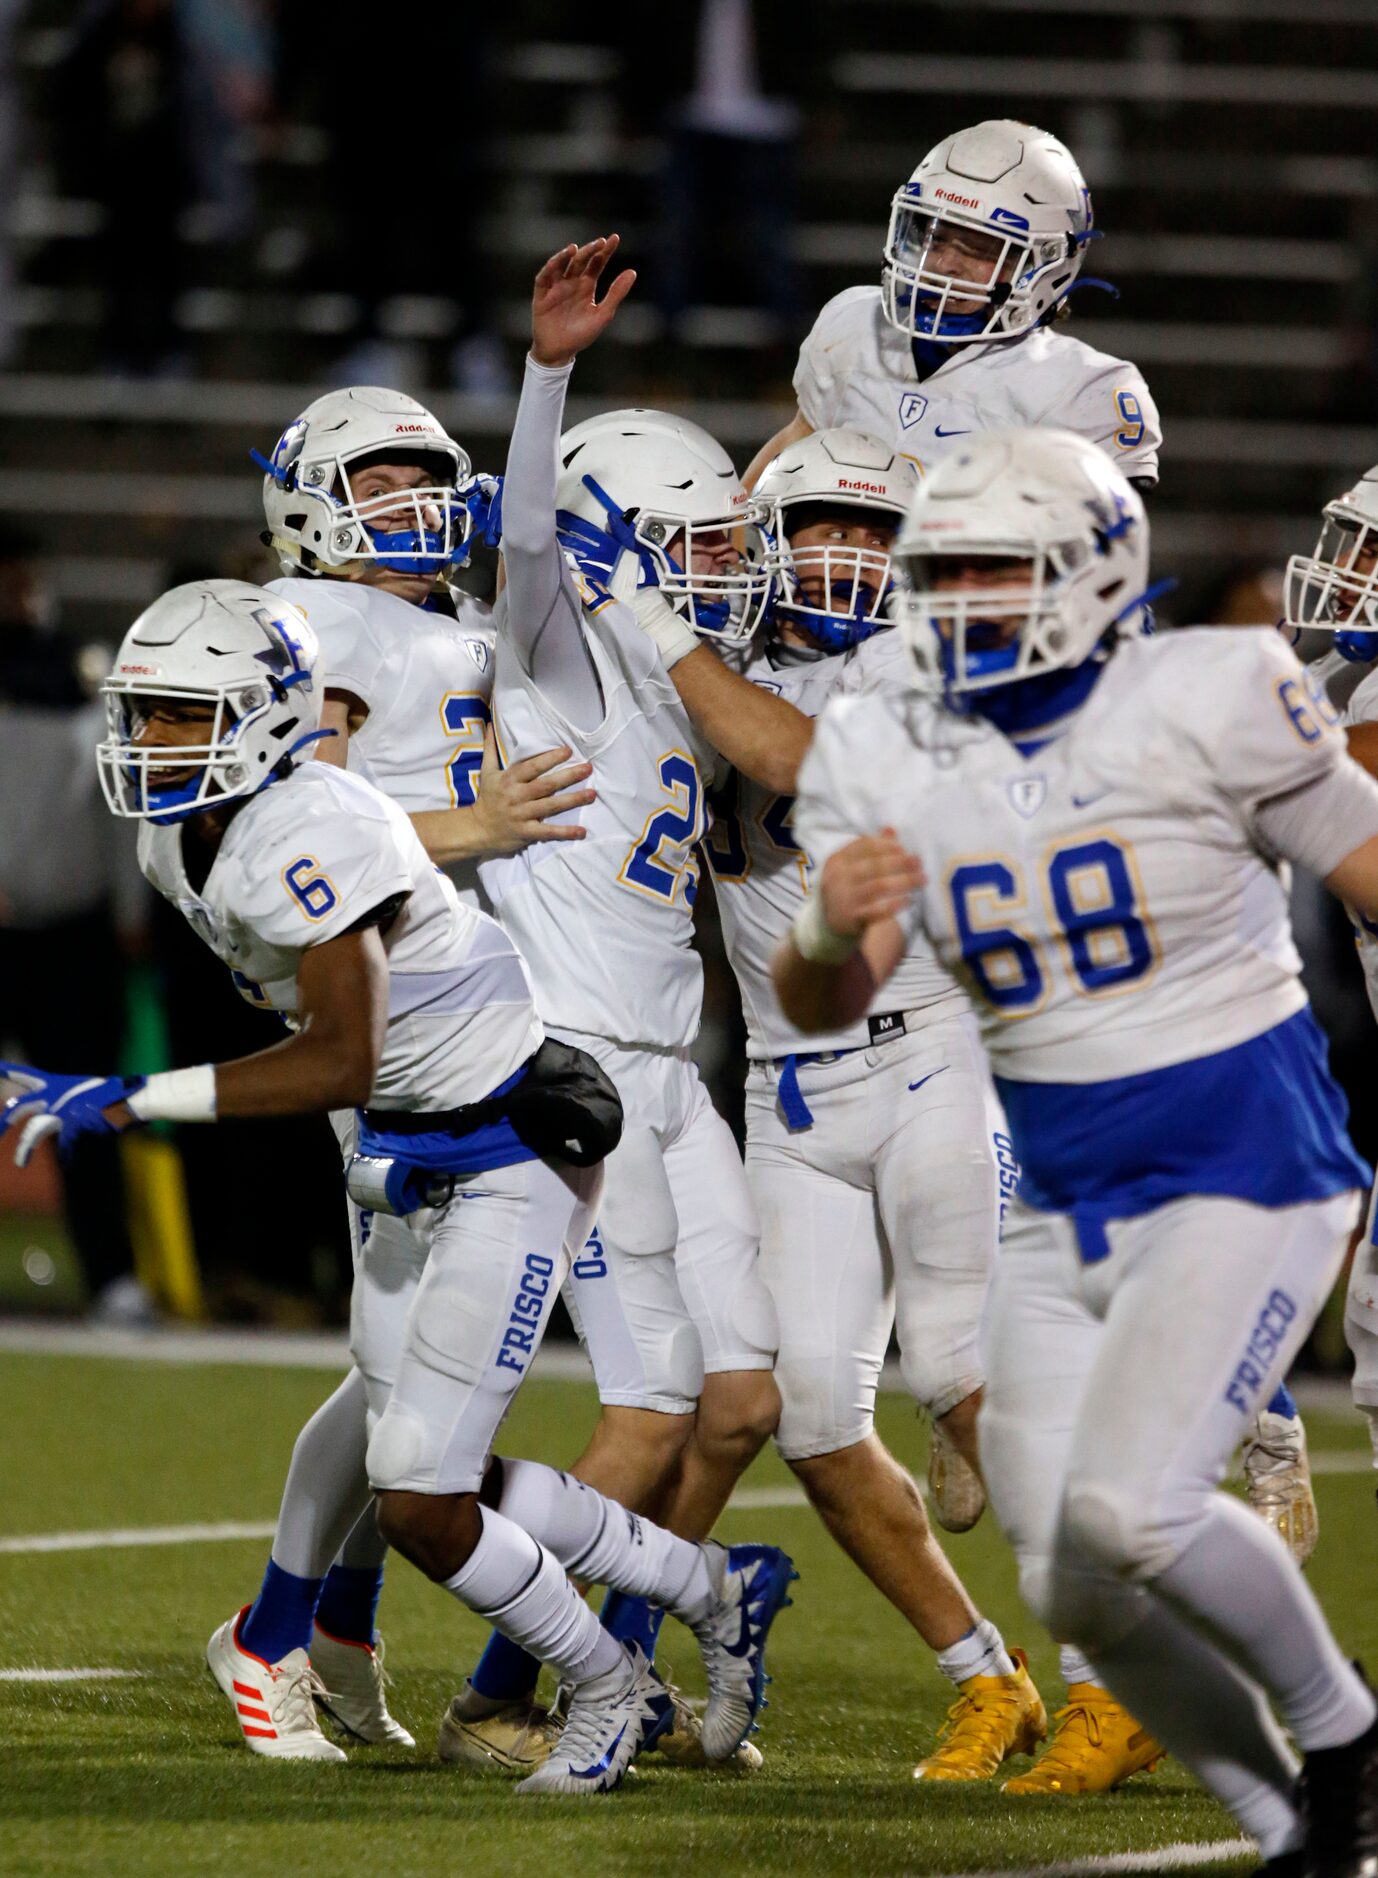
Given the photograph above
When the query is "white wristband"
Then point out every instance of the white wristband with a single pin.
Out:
(177, 1095)
(674, 637)
(815, 938)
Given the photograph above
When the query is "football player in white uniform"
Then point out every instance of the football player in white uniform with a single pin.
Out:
(876, 1154)
(935, 1205)
(315, 891)
(985, 242)
(1335, 589)
(678, 1324)
(1089, 828)
(367, 505)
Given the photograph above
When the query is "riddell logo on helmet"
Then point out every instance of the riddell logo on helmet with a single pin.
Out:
(403, 429)
(870, 489)
(964, 202)
(142, 671)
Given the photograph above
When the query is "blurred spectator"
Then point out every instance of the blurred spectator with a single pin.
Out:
(728, 83)
(228, 87)
(9, 176)
(119, 124)
(71, 902)
(405, 187)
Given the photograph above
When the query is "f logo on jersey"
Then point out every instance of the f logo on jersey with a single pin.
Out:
(1028, 793)
(912, 407)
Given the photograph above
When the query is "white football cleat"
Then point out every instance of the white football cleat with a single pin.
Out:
(611, 1718)
(682, 1743)
(510, 1738)
(752, 1581)
(274, 1703)
(355, 1695)
(1277, 1481)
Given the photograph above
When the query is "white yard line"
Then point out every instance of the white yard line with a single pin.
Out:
(137, 1535)
(1164, 1858)
(291, 1349)
(70, 1675)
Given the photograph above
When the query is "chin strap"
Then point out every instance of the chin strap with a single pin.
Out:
(603, 547)
(281, 477)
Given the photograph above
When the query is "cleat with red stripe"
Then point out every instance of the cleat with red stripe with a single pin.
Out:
(273, 1703)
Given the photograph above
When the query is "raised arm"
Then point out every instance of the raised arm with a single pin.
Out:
(544, 620)
(761, 734)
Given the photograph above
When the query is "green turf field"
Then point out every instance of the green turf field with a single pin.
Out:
(145, 1775)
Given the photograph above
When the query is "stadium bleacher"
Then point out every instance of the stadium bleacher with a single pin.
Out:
(1232, 171)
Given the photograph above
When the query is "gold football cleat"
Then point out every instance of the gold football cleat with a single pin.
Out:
(993, 1717)
(1277, 1480)
(682, 1743)
(956, 1491)
(515, 1739)
(1097, 1744)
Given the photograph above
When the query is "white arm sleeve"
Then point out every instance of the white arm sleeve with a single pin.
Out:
(1327, 818)
(543, 620)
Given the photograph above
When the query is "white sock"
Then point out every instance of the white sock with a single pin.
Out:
(1277, 1632)
(600, 1542)
(1075, 1667)
(1189, 1695)
(327, 1490)
(521, 1588)
(981, 1652)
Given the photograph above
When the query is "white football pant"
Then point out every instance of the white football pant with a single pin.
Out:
(884, 1213)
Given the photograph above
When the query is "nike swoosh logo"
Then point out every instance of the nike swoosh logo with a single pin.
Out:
(929, 1077)
(601, 1766)
(938, 431)
(1096, 795)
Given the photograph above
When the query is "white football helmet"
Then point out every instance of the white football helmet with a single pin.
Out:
(1051, 512)
(642, 495)
(314, 521)
(832, 470)
(1011, 183)
(1335, 587)
(248, 654)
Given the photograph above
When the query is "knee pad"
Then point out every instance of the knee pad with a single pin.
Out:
(940, 1375)
(684, 1362)
(459, 1308)
(753, 1315)
(1361, 1334)
(1103, 1528)
(637, 1213)
(395, 1448)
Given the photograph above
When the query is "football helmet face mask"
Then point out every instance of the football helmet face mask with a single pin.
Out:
(1024, 554)
(836, 593)
(646, 499)
(316, 521)
(1335, 587)
(987, 236)
(240, 655)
